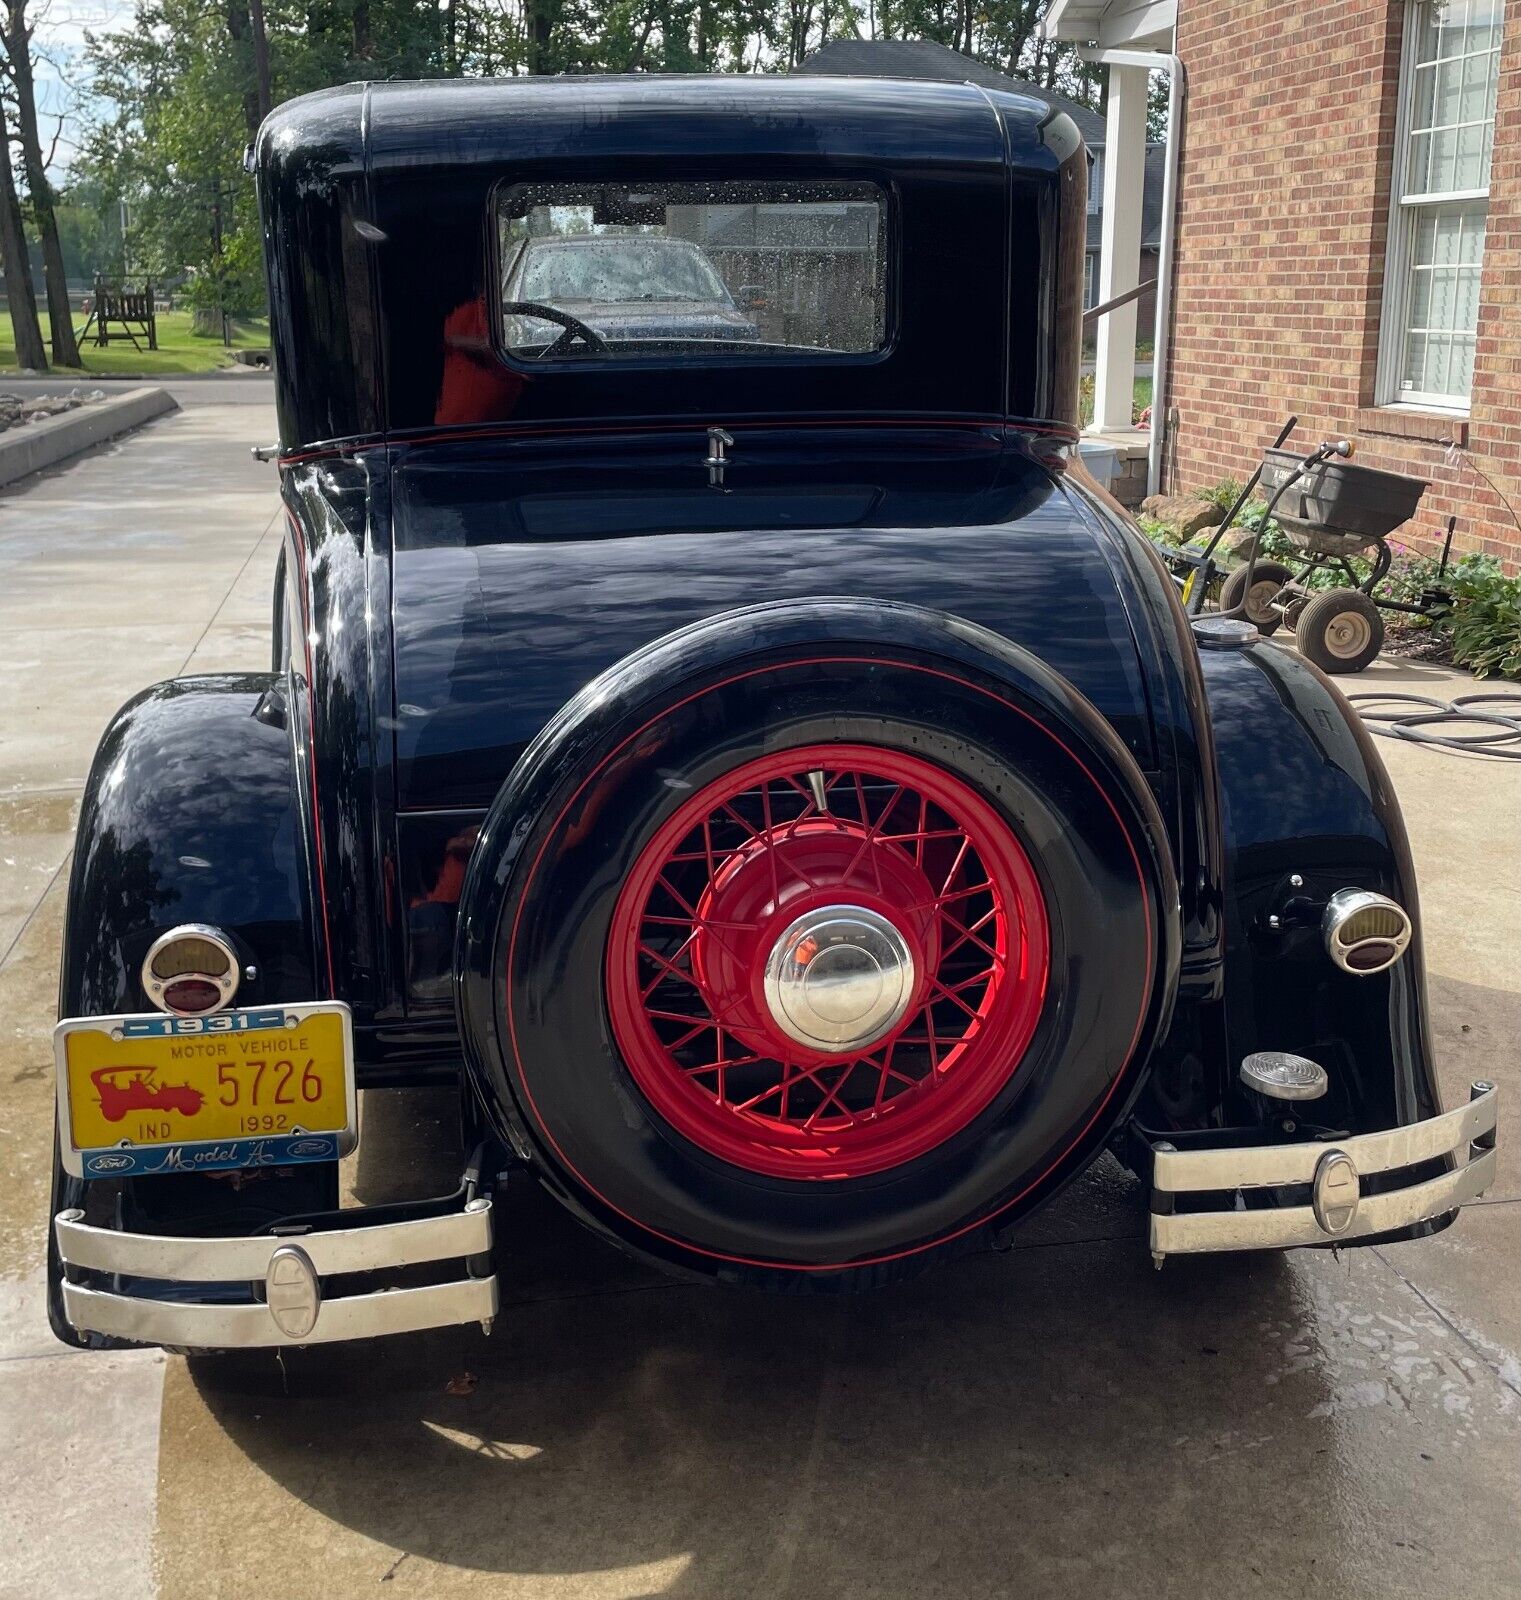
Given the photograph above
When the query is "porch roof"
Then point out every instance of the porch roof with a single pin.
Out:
(1113, 24)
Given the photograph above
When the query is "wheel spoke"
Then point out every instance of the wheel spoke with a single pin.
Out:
(967, 935)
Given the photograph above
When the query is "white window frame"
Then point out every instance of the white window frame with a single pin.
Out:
(1395, 311)
(1095, 181)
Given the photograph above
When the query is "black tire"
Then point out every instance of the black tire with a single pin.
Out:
(572, 820)
(1268, 579)
(1341, 631)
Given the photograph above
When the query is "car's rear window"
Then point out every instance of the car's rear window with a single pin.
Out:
(596, 272)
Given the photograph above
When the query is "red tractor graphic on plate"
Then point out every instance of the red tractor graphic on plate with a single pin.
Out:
(124, 1089)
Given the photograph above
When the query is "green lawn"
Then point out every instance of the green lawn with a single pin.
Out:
(179, 350)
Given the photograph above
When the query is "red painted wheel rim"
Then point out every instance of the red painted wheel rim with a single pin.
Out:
(740, 861)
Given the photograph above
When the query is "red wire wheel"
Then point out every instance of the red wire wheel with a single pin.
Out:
(852, 891)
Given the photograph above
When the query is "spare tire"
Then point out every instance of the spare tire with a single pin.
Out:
(814, 941)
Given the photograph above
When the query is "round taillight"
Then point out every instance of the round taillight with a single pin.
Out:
(191, 996)
(190, 970)
(1365, 932)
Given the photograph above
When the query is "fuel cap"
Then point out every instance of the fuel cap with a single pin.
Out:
(1224, 633)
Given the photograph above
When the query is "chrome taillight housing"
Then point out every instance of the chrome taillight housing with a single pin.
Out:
(1364, 932)
(190, 970)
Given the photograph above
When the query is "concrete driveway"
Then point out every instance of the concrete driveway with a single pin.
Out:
(1056, 1420)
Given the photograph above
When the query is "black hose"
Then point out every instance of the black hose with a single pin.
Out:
(1418, 726)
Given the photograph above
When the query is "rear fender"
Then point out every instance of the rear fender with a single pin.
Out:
(193, 812)
(1305, 794)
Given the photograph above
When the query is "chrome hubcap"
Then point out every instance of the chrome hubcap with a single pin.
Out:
(839, 978)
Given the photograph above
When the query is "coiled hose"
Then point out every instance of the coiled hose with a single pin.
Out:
(1432, 722)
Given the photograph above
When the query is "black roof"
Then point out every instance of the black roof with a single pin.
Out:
(446, 123)
(921, 58)
(375, 205)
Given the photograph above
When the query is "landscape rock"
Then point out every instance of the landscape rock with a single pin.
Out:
(17, 410)
(1182, 513)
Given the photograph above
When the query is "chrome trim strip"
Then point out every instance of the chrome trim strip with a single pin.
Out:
(1189, 1171)
(244, 1259)
(1285, 1227)
(213, 1327)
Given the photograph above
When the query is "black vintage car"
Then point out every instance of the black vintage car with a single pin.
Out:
(765, 774)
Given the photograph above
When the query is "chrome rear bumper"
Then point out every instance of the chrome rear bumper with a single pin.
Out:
(285, 1275)
(1216, 1187)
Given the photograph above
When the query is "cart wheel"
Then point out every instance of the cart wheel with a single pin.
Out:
(1293, 611)
(1340, 630)
(1267, 581)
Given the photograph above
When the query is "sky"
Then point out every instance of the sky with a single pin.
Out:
(63, 89)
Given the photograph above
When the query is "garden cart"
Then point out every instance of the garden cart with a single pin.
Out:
(1336, 514)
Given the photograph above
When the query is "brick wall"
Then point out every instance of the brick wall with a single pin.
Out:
(1282, 222)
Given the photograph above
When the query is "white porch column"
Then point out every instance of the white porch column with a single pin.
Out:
(1120, 246)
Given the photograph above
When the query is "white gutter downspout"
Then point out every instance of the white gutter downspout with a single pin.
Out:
(1157, 61)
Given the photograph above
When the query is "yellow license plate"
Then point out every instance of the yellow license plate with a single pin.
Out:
(153, 1094)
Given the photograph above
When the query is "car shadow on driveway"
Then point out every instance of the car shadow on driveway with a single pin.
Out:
(1018, 1422)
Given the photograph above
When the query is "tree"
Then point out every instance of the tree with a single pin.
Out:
(19, 293)
(16, 37)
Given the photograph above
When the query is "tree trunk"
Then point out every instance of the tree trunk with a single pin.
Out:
(18, 48)
(240, 31)
(30, 351)
(262, 87)
(537, 25)
(364, 37)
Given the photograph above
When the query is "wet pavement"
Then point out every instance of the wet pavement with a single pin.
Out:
(1052, 1420)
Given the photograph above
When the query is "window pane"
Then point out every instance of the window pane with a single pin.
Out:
(1470, 172)
(1484, 24)
(1444, 161)
(1449, 85)
(1418, 173)
(1438, 363)
(1414, 375)
(1462, 368)
(666, 269)
(1473, 101)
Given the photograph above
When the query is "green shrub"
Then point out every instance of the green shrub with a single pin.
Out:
(1485, 618)
(1158, 532)
(1223, 494)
